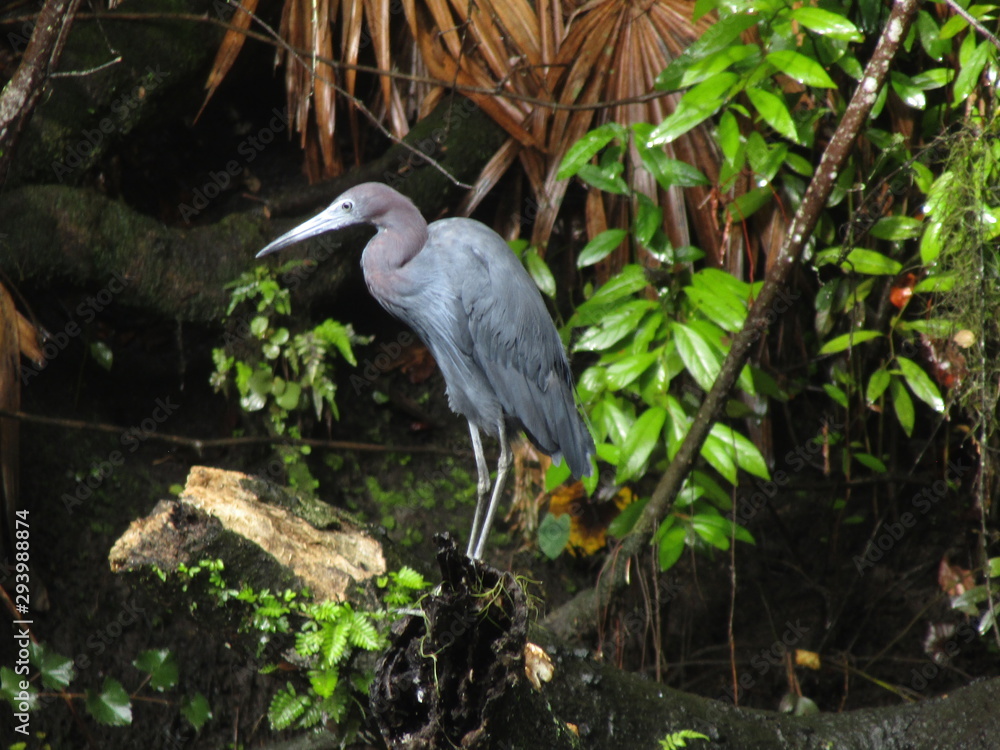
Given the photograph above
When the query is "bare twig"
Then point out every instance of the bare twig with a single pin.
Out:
(200, 444)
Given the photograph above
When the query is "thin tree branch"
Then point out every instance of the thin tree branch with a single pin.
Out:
(200, 444)
(762, 314)
(24, 89)
(974, 23)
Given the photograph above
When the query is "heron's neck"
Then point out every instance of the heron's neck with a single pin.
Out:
(398, 241)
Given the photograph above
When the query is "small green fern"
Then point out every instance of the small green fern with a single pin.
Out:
(679, 739)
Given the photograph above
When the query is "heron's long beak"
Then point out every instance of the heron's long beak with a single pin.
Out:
(325, 221)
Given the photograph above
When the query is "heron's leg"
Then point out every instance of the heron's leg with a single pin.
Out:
(503, 468)
(482, 489)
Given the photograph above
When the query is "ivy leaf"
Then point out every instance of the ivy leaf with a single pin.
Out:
(921, 384)
(110, 706)
(161, 666)
(803, 69)
(645, 435)
(553, 534)
(196, 710)
(56, 670)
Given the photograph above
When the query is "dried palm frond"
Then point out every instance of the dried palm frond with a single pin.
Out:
(541, 70)
(603, 51)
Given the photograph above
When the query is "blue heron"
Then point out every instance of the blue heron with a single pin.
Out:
(457, 284)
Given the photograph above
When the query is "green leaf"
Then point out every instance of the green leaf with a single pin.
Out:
(897, 228)
(161, 666)
(286, 706)
(540, 273)
(553, 534)
(921, 384)
(968, 76)
(602, 178)
(196, 710)
(870, 262)
(835, 393)
(102, 354)
(877, 384)
(717, 530)
(745, 453)
(586, 148)
(629, 280)
(938, 282)
(110, 706)
(646, 434)
(324, 681)
(774, 111)
(600, 247)
(615, 327)
(903, 406)
(628, 368)
(931, 243)
(847, 340)
(825, 23)
(719, 454)
(696, 106)
(873, 463)
(699, 357)
(718, 36)
(624, 521)
(912, 95)
(803, 69)
(671, 545)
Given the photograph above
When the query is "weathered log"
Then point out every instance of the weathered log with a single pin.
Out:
(257, 528)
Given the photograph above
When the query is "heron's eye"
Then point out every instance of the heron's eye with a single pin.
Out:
(346, 206)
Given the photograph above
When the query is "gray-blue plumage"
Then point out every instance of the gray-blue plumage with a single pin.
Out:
(459, 286)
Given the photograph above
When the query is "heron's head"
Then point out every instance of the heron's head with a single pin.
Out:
(362, 204)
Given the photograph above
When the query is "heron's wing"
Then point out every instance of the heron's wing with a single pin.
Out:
(518, 349)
